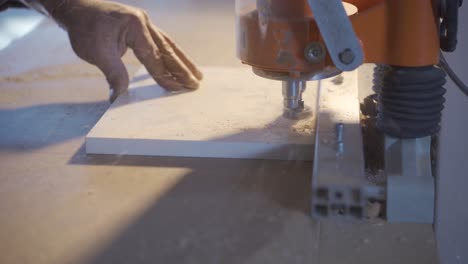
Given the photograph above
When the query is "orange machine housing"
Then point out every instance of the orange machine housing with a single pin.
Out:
(274, 35)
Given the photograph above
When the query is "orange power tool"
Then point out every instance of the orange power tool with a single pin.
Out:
(300, 40)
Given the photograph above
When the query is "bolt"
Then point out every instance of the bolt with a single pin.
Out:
(314, 52)
(347, 56)
(339, 132)
(339, 138)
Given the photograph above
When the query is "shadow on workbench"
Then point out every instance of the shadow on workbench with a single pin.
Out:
(39, 126)
(223, 211)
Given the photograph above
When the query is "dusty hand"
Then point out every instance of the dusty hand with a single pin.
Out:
(100, 33)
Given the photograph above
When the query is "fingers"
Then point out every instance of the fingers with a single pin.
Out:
(148, 53)
(174, 64)
(193, 68)
(166, 63)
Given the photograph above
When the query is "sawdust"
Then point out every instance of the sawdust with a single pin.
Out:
(271, 132)
(298, 127)
(374, 209)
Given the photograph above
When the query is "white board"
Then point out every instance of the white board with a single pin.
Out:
(234, 114)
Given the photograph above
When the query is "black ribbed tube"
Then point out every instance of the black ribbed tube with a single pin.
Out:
(411, 100)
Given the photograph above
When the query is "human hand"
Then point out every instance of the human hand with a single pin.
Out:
(101, 32)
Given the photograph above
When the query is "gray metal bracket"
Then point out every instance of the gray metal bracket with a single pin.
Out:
(410, 185)
(338, 33)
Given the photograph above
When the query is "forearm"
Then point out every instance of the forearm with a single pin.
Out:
(56, 9)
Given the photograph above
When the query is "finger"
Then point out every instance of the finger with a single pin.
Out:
(141, 42)
(107, 57)
(178, 51)
(116, 75)
(173, 63)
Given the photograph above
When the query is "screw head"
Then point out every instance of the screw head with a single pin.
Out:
(314, 52)
(347, 56)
